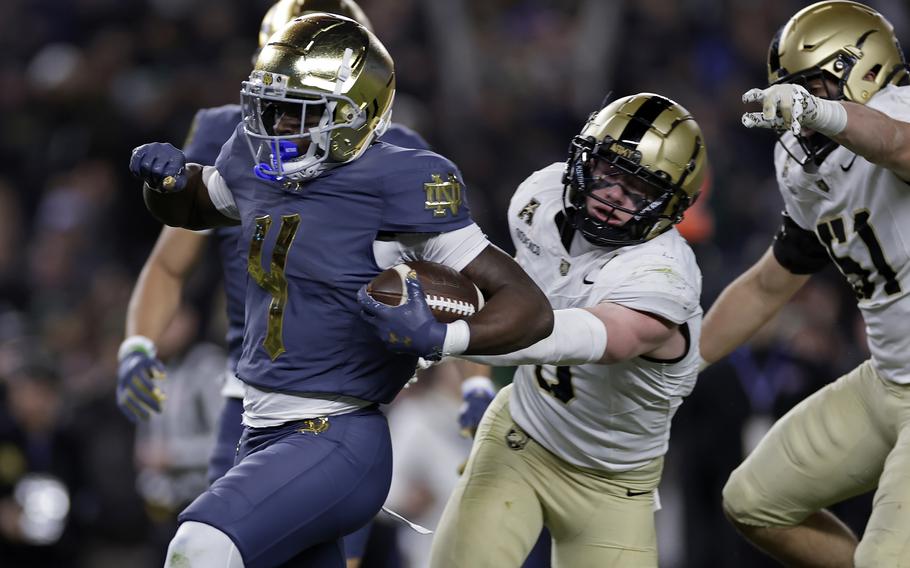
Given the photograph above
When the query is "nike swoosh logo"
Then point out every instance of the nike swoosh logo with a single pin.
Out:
(848, 166)
(630, 493)
(586, 281)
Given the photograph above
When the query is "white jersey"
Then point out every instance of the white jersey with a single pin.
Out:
(861, 213)
(607, 417)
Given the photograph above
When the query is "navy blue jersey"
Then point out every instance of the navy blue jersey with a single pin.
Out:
(210, 130)
(304, 333)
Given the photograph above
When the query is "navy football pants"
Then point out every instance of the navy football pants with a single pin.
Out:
(293, 494)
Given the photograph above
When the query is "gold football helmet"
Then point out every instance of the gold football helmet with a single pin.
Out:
(847, 42)
(646, 141)
(336, 82)
(284, 11)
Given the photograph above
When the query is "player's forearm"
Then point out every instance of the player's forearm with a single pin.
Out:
(745, 306)
(191, 208)
(154, 302)
(516, 314)
(877, 138)
(578, 337)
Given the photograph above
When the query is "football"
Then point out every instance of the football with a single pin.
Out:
(450, 294)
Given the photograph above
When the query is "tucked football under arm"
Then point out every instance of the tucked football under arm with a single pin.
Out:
(578, 337)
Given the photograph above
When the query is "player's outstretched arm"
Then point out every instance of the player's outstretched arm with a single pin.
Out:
(174, 191)
(516, 314)
(605, 333)
(877, 137)
(866, 131)
(746, 305)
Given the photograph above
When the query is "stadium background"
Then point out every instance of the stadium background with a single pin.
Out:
(499, 86)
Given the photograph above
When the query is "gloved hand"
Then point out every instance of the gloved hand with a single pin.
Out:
(408, 328)
(477, 393)
(160, 165)
(791, 107)
(138, 378)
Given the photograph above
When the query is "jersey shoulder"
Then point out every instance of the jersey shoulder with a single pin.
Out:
(421, 190)
(401, 135)
(660, 276)
(894, 101)
(543, 186)
(210, 129)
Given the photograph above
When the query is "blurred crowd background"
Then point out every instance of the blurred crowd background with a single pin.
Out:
(499, 86)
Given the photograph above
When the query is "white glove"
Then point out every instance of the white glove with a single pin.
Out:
(791, 107)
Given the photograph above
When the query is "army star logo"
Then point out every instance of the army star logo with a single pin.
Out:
(443, 195)
(527, 212)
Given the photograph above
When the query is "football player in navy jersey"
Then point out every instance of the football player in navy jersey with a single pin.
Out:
(156, 296)
(323, 208)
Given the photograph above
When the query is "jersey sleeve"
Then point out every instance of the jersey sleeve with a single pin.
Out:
(797, 249)
(650, 284)
(894, 102)
(455, 249)
(209, 131)
(424, 194)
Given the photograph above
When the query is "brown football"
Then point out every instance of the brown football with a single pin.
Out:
(449, 293)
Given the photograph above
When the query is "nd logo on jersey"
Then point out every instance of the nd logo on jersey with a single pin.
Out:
(443, 195)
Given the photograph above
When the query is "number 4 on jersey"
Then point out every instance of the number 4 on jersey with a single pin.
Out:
(273, 281)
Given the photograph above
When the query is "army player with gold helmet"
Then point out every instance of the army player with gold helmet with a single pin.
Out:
(839, 98)
(576, 443)
(324, 207)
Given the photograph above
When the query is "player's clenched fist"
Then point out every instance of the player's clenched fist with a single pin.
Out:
(160, 165)
(792, 107)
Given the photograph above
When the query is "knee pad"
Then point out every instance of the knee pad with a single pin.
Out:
(198, 545)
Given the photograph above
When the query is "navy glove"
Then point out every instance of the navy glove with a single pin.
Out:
(137, 391)
(477, 393)
(409, 328)
(160, 165)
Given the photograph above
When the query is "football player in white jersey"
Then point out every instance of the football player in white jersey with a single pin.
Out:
(576, 443)
(838, 97)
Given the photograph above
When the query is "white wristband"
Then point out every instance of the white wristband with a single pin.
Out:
(137, 343)
(458, 336)
(830, 117)
(578, 337)
(477, 382)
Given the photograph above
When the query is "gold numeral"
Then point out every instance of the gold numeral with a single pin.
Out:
(273, 281)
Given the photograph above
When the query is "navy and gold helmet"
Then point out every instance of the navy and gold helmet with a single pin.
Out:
(338, 81)
(646, 141)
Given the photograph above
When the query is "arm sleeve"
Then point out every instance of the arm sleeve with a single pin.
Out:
(219, 192)
(578, 337)
(797, 249)
(454, 248)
